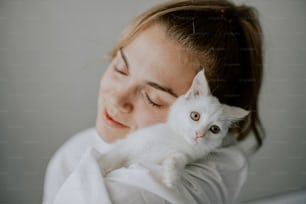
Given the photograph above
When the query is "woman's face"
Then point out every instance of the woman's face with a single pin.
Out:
(141, 83)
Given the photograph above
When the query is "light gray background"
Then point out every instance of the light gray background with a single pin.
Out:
(51, 62)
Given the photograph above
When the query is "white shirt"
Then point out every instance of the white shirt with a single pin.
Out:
(74, 176)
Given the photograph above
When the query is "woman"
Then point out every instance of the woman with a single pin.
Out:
(153, 63)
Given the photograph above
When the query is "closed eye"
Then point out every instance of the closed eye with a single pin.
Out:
(149, 101)
(119, 71)
(121, 64)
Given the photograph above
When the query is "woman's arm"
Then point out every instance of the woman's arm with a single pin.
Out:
(216, 179)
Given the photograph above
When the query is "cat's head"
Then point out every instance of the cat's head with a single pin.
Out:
(199, 117)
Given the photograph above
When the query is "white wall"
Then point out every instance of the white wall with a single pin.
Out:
(50, 66)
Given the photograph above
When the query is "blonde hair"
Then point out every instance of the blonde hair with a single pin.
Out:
(228, 41)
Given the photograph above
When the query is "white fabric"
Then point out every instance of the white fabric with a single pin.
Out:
(291, 197)
(74, 176)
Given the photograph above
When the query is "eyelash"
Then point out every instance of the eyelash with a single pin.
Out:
(151, 102)
(118, 70)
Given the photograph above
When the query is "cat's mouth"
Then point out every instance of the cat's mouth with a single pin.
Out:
(112, 122)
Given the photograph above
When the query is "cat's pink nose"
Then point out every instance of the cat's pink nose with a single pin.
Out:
(199, 134)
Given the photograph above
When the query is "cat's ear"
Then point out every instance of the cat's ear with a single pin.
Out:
(235, 113)
(199, 86)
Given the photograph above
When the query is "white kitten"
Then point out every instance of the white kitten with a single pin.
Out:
(196, 125)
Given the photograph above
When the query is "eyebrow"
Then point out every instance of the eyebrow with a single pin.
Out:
(150, 83)
(162, 88)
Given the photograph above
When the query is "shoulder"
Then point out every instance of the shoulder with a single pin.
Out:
(82, 139)
(71, 151)
(219, 177)
(77, 143)
(66, 158)
(229, 158)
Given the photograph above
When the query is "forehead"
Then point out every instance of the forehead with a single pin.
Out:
(160, 59)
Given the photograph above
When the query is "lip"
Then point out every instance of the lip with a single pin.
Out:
(111, 121)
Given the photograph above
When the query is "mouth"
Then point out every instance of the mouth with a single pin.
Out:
(112, 122)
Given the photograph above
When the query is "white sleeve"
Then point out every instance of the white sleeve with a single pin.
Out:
(87, 185)
(59, 168)
(65, 160)
(73, 176)
(217, 179)
(123, 193)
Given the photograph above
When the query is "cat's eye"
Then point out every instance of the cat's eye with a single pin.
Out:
(215, 129)
(195, 115)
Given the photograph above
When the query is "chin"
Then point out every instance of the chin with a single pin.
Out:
(108, 134)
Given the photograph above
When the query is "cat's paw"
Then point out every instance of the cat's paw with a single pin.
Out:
(170, 174)
(169, 179)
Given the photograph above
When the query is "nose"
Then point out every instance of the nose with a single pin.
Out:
(122, 99)
(199, 134)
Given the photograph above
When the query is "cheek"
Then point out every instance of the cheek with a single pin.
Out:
(107, 80)
(146, 116)
(107, 83)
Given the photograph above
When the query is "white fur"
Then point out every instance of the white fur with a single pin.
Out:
(174, 144)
